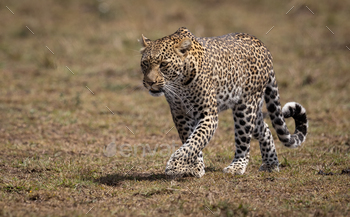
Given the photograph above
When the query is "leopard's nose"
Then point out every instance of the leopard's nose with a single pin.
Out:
(150, 83)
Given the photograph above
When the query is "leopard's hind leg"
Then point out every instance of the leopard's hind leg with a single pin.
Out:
(245, 117)
(267, 146)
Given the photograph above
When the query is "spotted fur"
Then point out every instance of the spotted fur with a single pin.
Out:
(201, 77)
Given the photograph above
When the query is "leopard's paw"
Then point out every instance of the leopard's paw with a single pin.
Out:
(179, 165)
(238, 166)
(272, 167)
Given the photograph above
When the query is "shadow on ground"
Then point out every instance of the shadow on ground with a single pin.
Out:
(117, 179)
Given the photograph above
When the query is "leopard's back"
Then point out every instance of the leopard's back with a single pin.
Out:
(239, 64)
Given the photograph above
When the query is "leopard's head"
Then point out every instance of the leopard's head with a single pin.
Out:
(166, 60)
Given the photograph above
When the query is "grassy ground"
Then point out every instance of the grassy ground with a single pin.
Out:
(54, 132)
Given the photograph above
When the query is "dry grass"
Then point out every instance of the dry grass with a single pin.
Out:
(53, 130)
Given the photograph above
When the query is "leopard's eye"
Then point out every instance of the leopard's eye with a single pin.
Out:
(163, 64)
(144, 63)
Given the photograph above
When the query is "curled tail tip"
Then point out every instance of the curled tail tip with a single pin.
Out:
(293, 109)
(298, 113)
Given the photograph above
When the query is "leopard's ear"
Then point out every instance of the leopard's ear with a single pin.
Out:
(144, 42)
(183, 47)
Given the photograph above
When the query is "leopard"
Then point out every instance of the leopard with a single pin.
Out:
(203, 76)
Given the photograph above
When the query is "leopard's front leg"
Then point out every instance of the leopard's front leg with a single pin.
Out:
(188, 159)
(185, 125)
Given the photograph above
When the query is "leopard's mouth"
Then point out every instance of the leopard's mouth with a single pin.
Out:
(155, 91)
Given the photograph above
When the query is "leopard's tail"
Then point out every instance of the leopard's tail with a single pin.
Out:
(277, 115)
